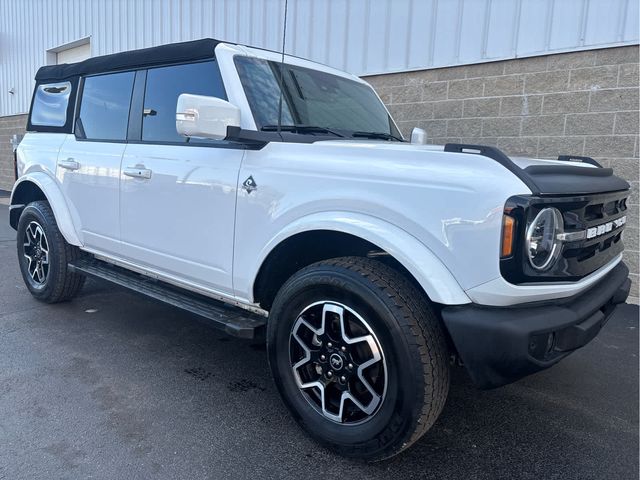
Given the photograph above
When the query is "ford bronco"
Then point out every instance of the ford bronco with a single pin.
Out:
(275, 197)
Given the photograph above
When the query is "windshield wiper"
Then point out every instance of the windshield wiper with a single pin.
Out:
(300, 129)
(379, 135)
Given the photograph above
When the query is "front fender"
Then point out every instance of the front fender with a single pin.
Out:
(436, 280)
(56, 200)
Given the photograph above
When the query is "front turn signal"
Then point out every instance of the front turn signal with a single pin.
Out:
(508, 231)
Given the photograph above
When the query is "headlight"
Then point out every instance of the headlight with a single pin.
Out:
(543, 245)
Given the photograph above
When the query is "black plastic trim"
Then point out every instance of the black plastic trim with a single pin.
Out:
(15, 211)
(579, 159)
(71, 108)
(523, 208)
(500, 345)
(550, 180)
(182, 52)
(134, 128)
(567, 170)
(256, 140)
(230, 319)
(81, 136)
(556, 180)
(498, 156)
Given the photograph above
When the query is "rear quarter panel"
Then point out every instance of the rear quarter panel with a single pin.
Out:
(38, 152)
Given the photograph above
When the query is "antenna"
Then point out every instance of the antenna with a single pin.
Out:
(284, 38)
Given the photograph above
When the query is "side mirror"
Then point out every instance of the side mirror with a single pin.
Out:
(418, 136)
(206, 117)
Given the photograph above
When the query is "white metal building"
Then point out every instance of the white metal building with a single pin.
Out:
(361, 36)
(533, 77)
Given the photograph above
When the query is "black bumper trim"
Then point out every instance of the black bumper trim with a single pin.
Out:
(500, 345)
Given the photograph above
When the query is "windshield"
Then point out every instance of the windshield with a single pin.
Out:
(311, 98)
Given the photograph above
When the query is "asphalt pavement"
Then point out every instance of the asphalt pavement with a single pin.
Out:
(117, 386)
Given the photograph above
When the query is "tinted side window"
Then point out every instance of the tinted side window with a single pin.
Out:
(164, 85)
(50, 104)
(104, 108)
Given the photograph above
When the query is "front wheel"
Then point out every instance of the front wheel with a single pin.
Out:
(359, 356)
(43, 254)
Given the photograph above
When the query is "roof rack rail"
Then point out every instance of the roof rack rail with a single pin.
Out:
(497, 155)
(578, 159)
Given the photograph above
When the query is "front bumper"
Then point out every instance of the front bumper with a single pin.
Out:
(500, 345)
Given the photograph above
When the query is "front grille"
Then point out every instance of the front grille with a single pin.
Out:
(579, 258)
(604, 209)
(586, 256)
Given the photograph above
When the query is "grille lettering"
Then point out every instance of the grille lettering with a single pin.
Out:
(593, 232)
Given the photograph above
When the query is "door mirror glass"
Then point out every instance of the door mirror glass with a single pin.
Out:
(205, 117)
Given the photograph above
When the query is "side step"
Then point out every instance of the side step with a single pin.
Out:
(232, 320)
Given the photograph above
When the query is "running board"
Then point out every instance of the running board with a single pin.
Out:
(232, 320)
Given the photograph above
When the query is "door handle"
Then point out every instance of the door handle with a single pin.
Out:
(69, 164)
(137, 172)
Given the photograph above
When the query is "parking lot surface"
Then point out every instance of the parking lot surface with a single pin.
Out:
(113, 385)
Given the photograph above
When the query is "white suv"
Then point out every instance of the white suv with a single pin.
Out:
(276, 197)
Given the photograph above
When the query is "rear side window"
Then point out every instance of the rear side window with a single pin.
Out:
(104, 108)
(50, 104)
(164, 85)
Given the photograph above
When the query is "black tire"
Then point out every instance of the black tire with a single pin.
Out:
(58, 283)
(409, 334)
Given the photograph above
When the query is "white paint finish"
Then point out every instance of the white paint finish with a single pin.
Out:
(426, 268)
(74, 54)
(564, 34)
(499, 292)
(361, 36)
(470, 48)
(500, 28)
(37, 157)
(205, 117)
(232, 84)
(631, 22)
(57, 200)
(438, 213)
(181, 220)
(531, 36)
(39, 153)
(450, 203)
(92, 191)
(603, 21)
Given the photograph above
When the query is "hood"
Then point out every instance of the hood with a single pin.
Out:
(566, 177)
(542, 176)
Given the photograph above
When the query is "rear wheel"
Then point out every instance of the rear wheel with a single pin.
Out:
(44, 254)
(358, 356)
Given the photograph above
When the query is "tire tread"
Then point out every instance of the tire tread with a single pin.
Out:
(423, 333)
(66, 284)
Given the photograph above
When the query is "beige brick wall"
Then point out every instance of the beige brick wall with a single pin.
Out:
(8, 127)
(580, 103)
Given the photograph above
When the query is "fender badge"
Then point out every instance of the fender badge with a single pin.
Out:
(249, 184)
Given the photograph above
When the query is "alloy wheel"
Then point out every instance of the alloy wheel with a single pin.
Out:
(36, 253)
(338, 363)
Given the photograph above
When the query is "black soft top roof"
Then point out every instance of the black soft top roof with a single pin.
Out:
(145, 57)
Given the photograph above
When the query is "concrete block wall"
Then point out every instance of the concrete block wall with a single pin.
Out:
(580, 103)
(8, 127)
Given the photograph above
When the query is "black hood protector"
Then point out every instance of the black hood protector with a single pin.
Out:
(552, 180)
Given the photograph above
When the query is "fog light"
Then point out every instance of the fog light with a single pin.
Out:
(551, 340)
(541, 346)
